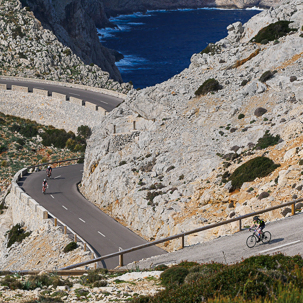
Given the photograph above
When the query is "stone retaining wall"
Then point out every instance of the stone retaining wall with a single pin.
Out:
(24, 208)
(53, 110)
(68, 115)
(28, 211)
(72, 85)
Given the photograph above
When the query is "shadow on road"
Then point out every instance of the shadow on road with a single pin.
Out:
(276, 240)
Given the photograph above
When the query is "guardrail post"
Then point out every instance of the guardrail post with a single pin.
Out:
(240, 225)
(134, 125)
(84, 246)
(75, 238)
(182, 241)
(121, 260)
(55, 222)
(65, 230)
(293, 209)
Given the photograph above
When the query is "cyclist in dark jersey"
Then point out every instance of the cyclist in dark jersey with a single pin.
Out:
(259, 224)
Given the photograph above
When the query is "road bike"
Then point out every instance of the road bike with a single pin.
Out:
(44, 187)
(48, 174)
(265, 237)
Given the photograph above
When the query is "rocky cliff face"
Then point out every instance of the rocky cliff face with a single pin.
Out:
(164, 174)
(113, 7)
(74, 23)
(29, 50)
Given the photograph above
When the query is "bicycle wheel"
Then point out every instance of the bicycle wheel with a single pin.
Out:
(266, 237)
(251, 241)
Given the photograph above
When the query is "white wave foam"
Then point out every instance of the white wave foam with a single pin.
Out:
(130, 62)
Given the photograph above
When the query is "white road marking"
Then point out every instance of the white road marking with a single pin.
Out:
(280, 246)
(82, 220)
(57, 177)
(64, 207)
(101, 234)
(103, 102)
(52, 196)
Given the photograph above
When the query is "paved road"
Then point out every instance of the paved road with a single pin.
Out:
(63, 200)
(287, 238)
(105, 101)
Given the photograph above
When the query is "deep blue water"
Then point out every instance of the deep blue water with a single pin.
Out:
(159, 44)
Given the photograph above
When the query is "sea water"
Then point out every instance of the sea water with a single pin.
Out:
(159, 44)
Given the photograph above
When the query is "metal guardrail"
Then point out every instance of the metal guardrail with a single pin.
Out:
(182, 235)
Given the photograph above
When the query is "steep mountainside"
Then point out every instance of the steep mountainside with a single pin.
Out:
(74, 23)
(171, 173)
(29, 50)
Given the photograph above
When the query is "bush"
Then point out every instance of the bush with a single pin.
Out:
(173, 275)
(161, 267)
(210, 49)
(84, 131)
(208, 86)
(266, 76)
(258, 167)
(273, 31)
(16, 234)
(267, 140)
(241, 116)
(56, 137)
(3, 148)
(257, 279)
(70, 246)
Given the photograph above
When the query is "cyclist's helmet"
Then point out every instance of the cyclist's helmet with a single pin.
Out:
(48, 166)
(255, 218)
(44, 179)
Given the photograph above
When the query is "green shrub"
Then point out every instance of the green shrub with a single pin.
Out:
(161, 267)
(273, 31)
(208, 86)
(57, 137)
(122, 163)
(67, 52)
(70, 246)
(84, 131)
(266, 76)
(3, 148)
(2, 207)
(241, 116)
(17, 32)
(151, 195)
(210, 49)
(174, 275)
(267, 140)
(16, 234)
(258, 167)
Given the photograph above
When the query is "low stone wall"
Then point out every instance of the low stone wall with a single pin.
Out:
(28, 211)
(68, 115)
(25, 209)
(73, 85)
(52, 109)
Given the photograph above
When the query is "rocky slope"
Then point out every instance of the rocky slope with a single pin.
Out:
(43, 249)
(166, 176)
(29, 50)
(74, 23)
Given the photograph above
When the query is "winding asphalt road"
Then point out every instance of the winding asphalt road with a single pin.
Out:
(286, 238)
(101, 232)
(105, 101)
